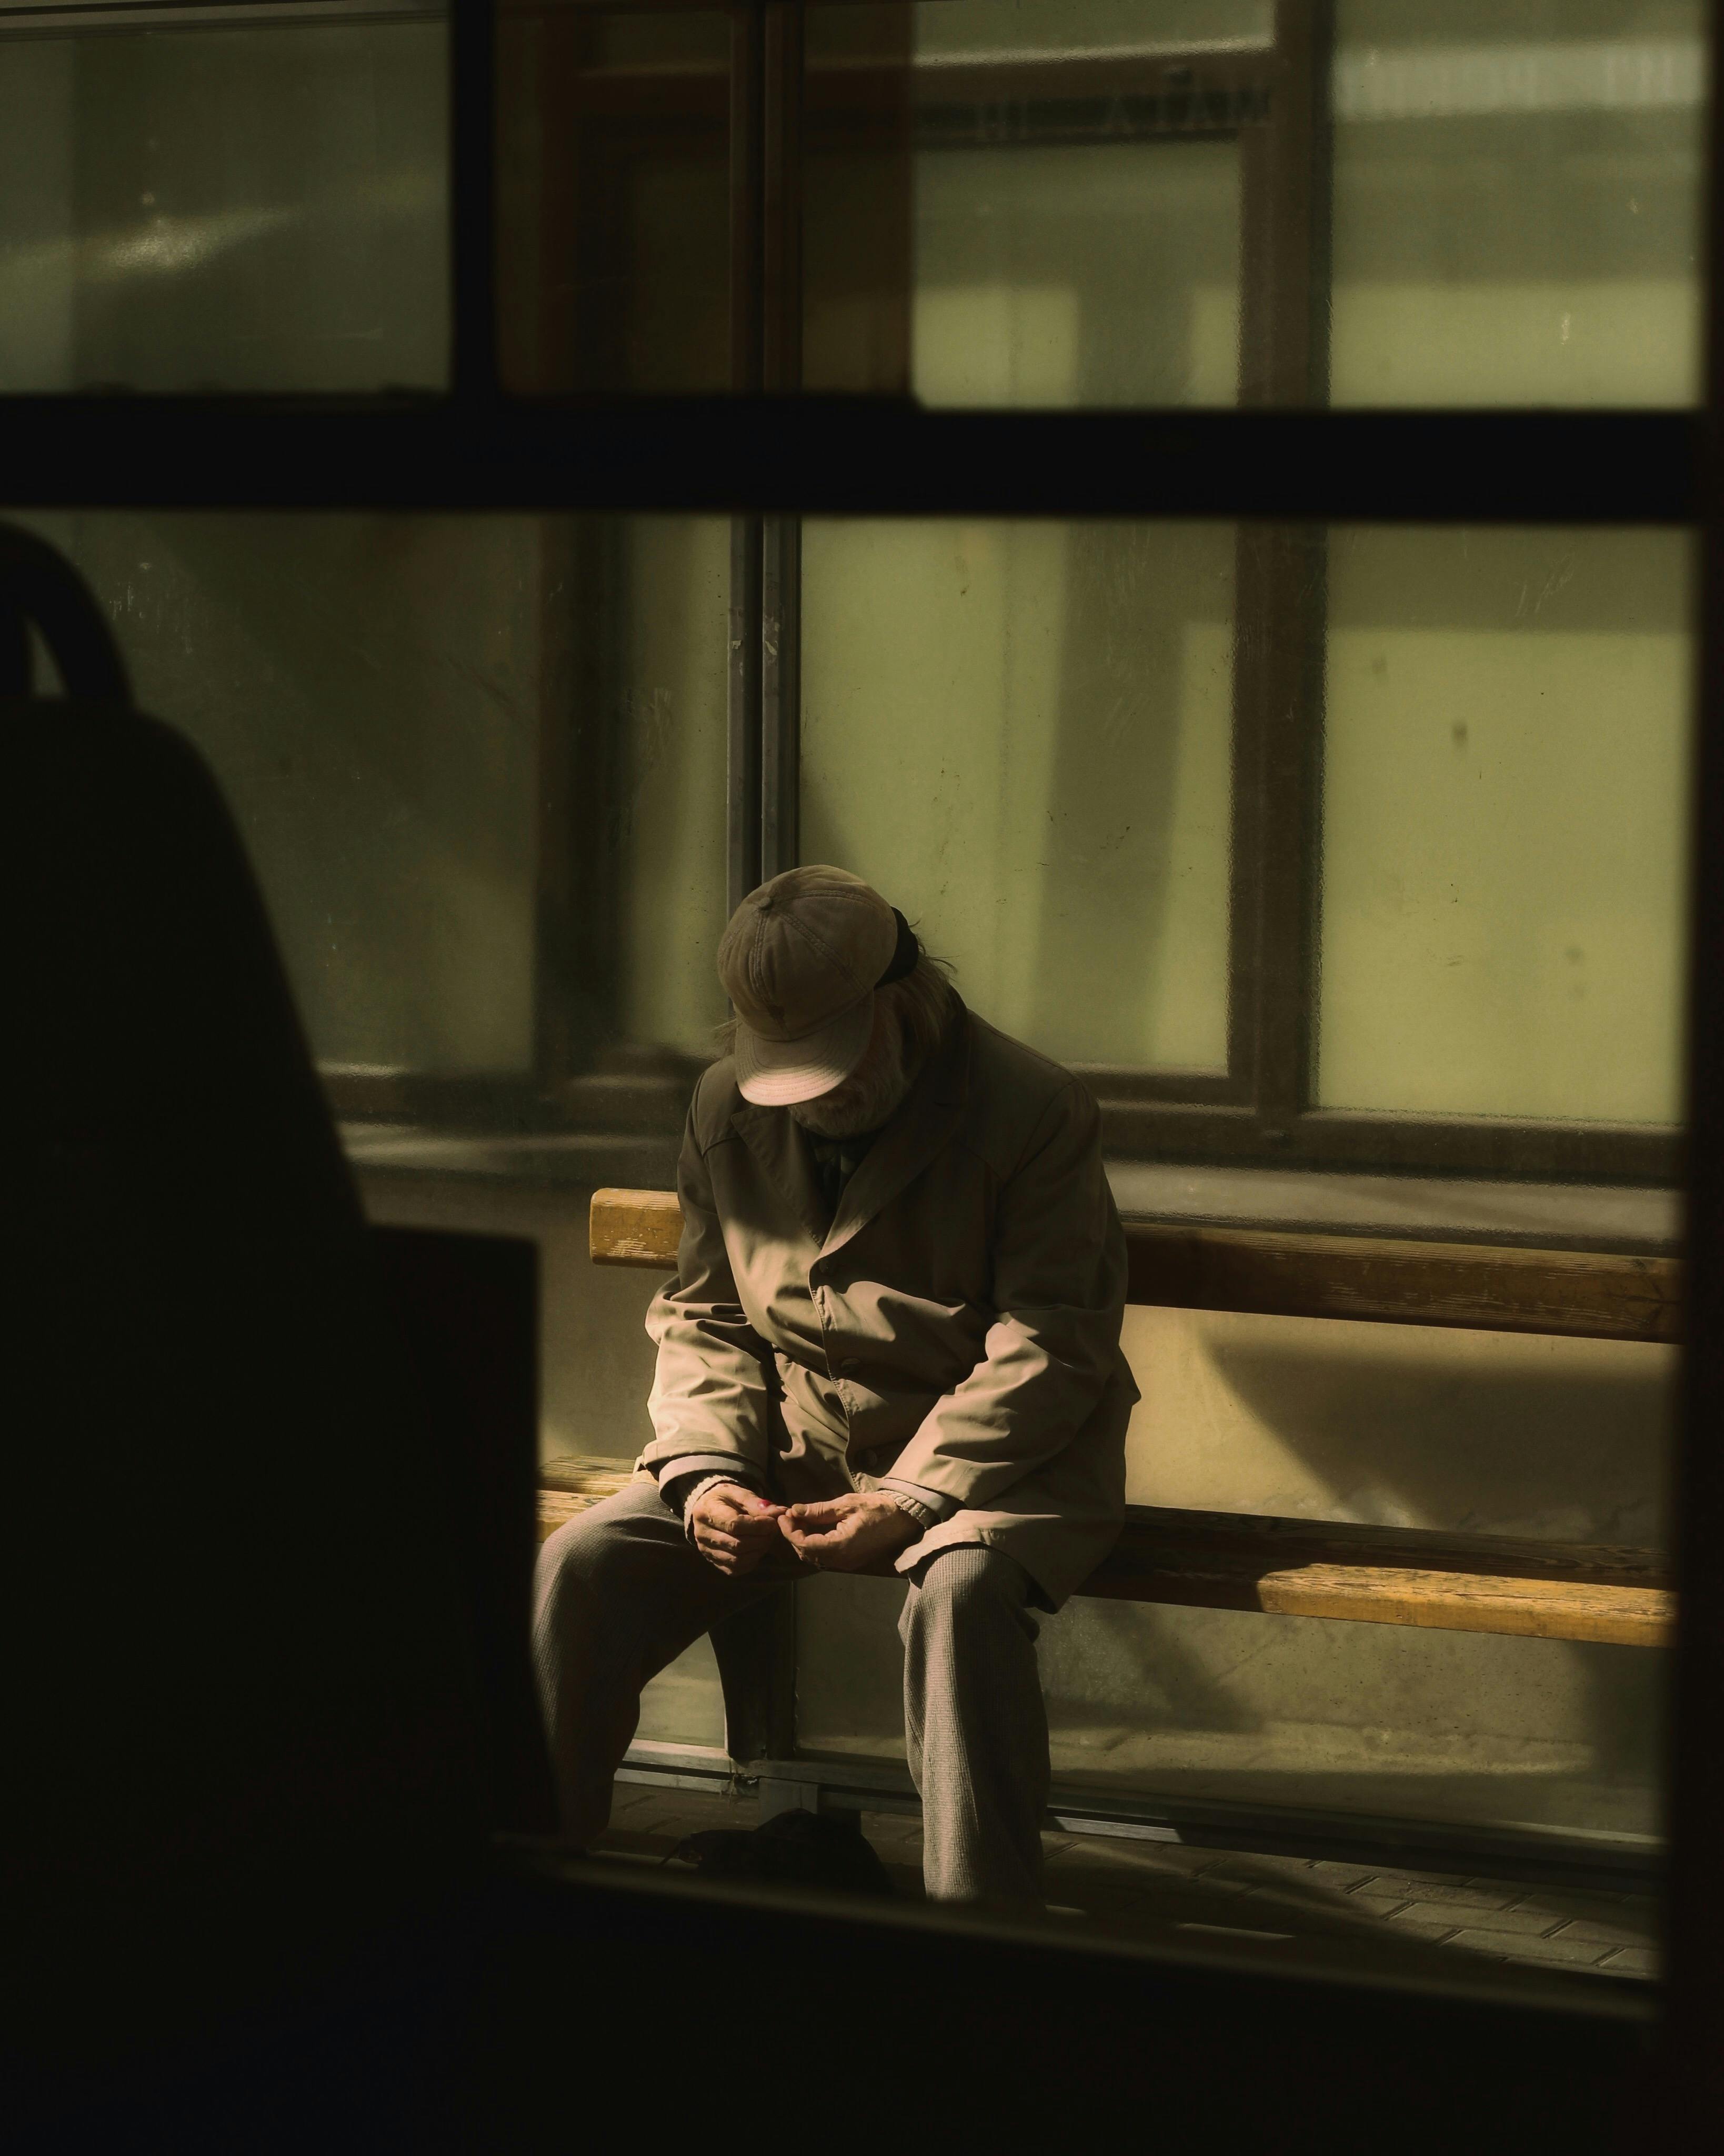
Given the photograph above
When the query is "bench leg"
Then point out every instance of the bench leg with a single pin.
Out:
(783, 1795)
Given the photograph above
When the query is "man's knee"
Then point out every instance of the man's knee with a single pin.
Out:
(579, 1567)
(970, 1587)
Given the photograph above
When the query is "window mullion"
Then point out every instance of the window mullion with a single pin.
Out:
(1279, 594)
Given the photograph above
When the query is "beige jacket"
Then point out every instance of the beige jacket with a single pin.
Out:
(956, 1328)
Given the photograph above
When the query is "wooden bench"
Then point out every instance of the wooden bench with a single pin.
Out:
(1307, 1568)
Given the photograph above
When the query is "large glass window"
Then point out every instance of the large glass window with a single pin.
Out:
(1346, 829)
(1407, 202)
(229, 205)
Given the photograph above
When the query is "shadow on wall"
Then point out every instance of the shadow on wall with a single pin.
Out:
(1401, 1425)
(1428, 1439)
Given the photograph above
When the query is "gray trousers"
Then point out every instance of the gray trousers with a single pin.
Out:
(620, 1594)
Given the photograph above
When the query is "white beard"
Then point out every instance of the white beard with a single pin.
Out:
(873, 1090)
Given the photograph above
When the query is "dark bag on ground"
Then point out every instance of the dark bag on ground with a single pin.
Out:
(794, 1849)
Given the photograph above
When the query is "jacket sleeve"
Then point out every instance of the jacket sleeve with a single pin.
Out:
(710, 1402)
(1058, 1256)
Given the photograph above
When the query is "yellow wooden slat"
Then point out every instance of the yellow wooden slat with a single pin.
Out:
(635, 1227)
(1213, 1561)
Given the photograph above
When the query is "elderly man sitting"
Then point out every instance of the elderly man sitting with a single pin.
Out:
(893, 1343)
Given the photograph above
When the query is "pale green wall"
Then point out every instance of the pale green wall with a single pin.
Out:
(672, 858)
(1504, 823)
(1022, 733)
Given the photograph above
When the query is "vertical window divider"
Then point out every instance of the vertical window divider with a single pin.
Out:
(781, 694)
(472, 233)
(747, 277)
(781, 334)
(1281, 587)
(757, 1653)
(742, 759)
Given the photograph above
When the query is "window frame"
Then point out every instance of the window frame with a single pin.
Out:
(1261, 1111)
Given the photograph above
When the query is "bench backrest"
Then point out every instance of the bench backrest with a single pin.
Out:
(1484, 1287)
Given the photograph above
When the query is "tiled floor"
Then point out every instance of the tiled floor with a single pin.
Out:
(1341, 1915)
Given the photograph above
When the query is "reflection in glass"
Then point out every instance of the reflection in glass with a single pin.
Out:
(1074, 241)
(1023, 734)
(613, 211)
(1093, 274)
(1090, 26)
(1517, 192)
(1506, 754)
(242, 208)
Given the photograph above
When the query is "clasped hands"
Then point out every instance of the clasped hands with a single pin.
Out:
(734, 1529)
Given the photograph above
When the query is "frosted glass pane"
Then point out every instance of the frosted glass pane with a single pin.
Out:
(1505, 828)
(1022, 734)
(384, 701)
(245, 206)
(670, 817)
(1085, 274)
(1517, 198)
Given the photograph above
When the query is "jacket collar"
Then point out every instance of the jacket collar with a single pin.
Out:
(931, 1112)
(776, 1144)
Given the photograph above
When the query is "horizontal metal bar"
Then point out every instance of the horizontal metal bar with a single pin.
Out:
(852, 456)
(83, 19)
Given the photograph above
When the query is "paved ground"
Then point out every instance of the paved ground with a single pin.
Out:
(1333, 1915)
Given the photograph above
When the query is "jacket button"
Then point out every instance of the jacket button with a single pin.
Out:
(850, 1362)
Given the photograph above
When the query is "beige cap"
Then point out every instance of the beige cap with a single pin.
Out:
(800, 961)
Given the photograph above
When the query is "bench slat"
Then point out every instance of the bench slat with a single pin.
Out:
(635, 1227)
(1483, 1286)
(1322, 1569)
(1441, 1601)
